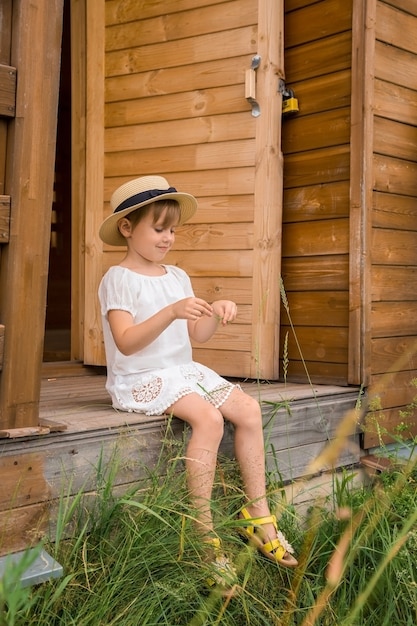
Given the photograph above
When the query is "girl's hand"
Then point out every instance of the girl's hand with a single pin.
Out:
(192, 309)
(225, 311)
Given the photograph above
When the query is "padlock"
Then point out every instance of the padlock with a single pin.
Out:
(289, 102)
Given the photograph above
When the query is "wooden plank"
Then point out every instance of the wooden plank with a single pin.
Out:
(22, 527)
(382, 427)
(309, 93)
(395, 65)
(395, 139)
(320, 344)
(201, 156)
(268, 164)
(220, 287)
(237, 236)
(395, 27)
(188, 78)
(4, 219)
(306, 132)
(315, 308)
(29, 431)
(317, 167)
(95, 73)
(300, 461)
(31, 154)
(5, 31)
(293, 5)
(326, 273)
(3, 143)
(390, 353)
(217, 45)
(226, 209)
(220, 263)
(395, 102)
(394, 319)
(129, 10)
(316, 202)
(236, 337)
(394, 247)
(23, 480)
(2, 329)
(225, 362)
(171, 26)
(318, 21)
(392, 211)
(317, 373)
(361, 187)
(78, 30)
(214, 263)
(316, 238)
(176, 106)
(307, 61)
(395, 175)
(7, 90)
(391, 389)
(207, 129)
(409, 6)
(394, 283)
(220, 182)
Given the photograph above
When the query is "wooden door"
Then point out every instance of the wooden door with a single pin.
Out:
(178, 85)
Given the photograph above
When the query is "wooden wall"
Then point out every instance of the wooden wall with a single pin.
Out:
(350, 201)
(316, 147)
(393, 216)
(175, 105)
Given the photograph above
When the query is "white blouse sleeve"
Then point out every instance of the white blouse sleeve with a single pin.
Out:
(115, 292)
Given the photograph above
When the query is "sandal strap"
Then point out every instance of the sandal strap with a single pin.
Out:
(258, 521)
(276, 547)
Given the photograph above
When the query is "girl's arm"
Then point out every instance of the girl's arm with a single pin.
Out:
(130, 337)
(202, 329)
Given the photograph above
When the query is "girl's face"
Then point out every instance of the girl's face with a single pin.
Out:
(152, 236)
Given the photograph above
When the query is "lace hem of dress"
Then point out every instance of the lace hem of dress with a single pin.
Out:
(220, 394)
(216, 397)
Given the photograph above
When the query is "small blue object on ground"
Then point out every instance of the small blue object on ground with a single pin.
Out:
(43, 568)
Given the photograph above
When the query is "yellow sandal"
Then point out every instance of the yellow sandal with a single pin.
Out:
(278, 550)
(223, 575)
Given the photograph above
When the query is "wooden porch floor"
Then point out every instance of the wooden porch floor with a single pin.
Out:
(75, 397)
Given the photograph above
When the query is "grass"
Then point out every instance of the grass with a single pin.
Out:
(135, 560)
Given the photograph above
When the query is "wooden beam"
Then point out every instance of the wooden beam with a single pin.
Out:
(36, 46)
(4, 218)
(268, 193)
(1, 345)
(94, 177)
(7, 90)
(361, 141)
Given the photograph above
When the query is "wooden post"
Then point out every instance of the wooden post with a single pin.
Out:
(268, 193)
(36, 46)
(94, 192)
(361, 184)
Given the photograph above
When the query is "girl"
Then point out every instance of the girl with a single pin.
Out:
(149, 314)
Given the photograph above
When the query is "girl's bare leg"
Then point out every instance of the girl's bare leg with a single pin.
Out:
(207, 426)
(244, 413)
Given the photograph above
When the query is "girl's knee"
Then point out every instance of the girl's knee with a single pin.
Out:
(212, 423)
(245, 411)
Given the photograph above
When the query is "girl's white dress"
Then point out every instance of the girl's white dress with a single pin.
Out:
(151, 380)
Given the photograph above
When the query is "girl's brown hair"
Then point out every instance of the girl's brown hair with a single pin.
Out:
(157, 208)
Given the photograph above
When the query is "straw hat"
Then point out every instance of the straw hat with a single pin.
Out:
(137, 193)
